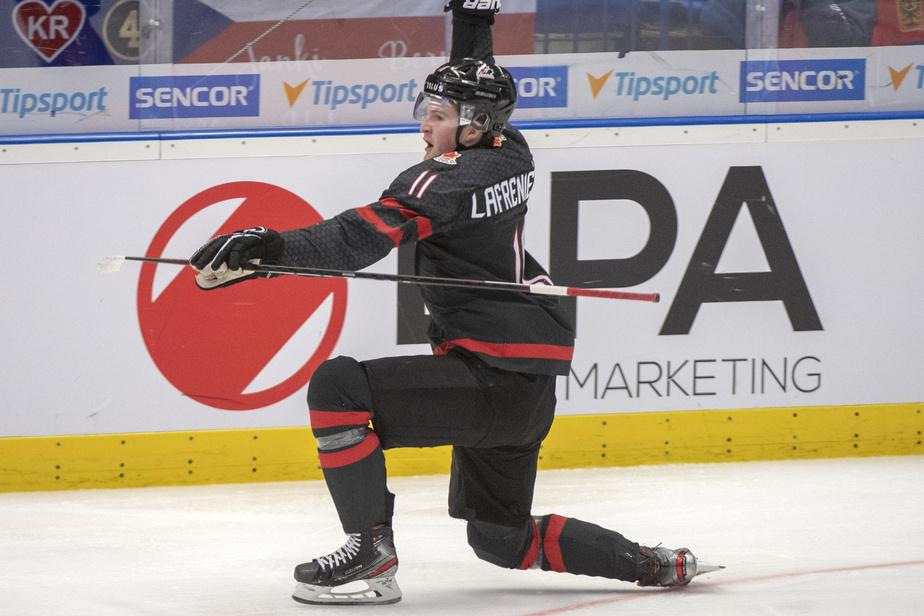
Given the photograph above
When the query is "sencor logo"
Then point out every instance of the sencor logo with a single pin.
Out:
(541, 86)
(194, 96)
(802, 80)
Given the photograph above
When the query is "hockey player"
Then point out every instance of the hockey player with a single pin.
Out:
(489, 387)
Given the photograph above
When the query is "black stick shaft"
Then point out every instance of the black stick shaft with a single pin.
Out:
(493, 285)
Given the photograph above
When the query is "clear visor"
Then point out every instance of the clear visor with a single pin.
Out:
(430, 106)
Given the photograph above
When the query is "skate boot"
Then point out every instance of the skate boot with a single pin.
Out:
(667, 567)
(361, 571)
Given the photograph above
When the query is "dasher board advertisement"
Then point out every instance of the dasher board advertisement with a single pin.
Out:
(788, 272)
(381, 91)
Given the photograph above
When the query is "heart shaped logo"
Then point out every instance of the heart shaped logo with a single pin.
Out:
(49, 30)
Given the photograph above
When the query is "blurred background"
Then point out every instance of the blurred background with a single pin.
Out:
(204, 31)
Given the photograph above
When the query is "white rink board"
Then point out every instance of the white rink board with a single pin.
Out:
(75, 361)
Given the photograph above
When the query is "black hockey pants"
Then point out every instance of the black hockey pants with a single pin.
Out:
(494, 419)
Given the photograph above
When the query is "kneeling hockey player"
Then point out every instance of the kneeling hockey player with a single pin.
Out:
(489, 387)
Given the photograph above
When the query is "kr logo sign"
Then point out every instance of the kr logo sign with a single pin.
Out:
(213, 346)
(49, 30)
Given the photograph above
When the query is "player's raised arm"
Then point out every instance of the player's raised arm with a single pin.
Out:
(471, 29)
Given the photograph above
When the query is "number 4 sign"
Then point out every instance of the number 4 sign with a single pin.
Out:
(122, 31)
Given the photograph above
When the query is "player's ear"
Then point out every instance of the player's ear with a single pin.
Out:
(470, 136)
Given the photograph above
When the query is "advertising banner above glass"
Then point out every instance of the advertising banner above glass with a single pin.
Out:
(128, 65)
(378, 92)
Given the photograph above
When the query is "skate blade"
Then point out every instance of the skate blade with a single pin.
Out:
(375, 591)
(702, 568)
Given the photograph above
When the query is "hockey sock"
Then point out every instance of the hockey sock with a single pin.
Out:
(349, 452)
(569, 545)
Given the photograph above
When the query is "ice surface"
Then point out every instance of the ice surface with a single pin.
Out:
(839, 536)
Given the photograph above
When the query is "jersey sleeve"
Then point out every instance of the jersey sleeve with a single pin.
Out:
(418, 203)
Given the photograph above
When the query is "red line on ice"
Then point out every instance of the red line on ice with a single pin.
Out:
(759, 578)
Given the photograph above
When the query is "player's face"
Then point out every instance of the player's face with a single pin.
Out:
(438, 125)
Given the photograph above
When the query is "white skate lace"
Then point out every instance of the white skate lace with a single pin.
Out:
(347, 551)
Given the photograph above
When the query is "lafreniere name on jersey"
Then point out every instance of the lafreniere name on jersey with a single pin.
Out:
(505, 195)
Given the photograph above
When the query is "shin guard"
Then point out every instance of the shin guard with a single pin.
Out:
(568, 545)
(350, 454)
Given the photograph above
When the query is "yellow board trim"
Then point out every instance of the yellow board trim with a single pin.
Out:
(621, 439)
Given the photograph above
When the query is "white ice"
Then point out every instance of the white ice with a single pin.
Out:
(841, 536)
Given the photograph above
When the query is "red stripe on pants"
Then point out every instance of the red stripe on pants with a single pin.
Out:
(351, 454)
(550, 542)
(509, 349)
(335, 419)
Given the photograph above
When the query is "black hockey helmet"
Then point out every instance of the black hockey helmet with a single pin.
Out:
(485, 94)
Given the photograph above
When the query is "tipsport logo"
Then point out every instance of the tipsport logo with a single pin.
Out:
(802, 80)
(540, 87)
(537, 87)
(22, 102)
(897, 76)
(194, 96)
(332, 95)
(639, 86)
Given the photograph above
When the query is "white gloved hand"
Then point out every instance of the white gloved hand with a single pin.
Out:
(208, 278)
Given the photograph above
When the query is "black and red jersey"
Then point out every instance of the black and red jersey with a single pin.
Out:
(466, 212)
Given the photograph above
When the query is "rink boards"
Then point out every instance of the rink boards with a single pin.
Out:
(787, 257)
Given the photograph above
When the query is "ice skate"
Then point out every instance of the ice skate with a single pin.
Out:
(667, 567)
(362, 571)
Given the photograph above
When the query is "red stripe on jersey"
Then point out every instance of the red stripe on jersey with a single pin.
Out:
(350, 455)
(367, 213)
(500, 349)
(424, 226)
(393, 203)
(335, 419)
(550, 543)
(533, 549)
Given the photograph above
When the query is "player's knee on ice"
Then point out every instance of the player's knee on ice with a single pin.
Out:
(503, 546)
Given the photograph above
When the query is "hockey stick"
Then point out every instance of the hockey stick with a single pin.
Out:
(113, 264)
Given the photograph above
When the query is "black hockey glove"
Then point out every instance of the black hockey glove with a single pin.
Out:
(220, 259)
(478, 11)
